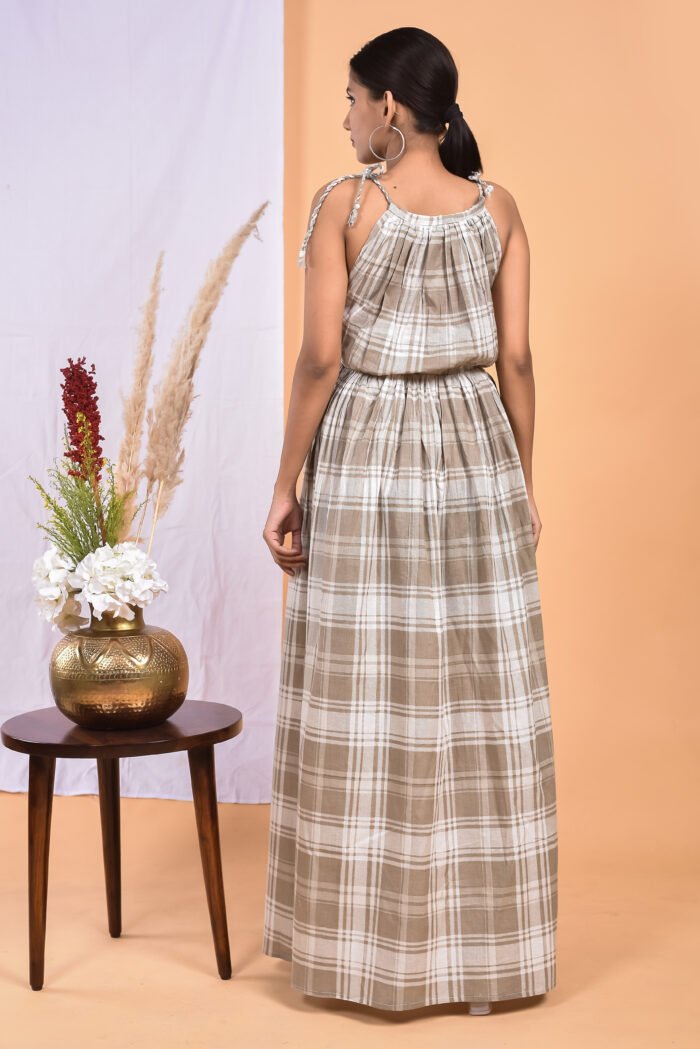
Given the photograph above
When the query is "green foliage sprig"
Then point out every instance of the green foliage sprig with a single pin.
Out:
(86, 512)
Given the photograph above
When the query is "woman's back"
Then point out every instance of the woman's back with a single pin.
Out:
(419, 291)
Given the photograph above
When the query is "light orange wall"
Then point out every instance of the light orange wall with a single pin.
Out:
(587, 114)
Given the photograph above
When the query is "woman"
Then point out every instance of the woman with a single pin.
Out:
(413, 835)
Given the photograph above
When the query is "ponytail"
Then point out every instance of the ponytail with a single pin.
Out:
(458, 149)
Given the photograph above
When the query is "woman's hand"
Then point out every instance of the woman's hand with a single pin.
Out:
(534, 519)
(285, 516)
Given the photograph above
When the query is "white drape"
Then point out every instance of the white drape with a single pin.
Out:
(128, 128)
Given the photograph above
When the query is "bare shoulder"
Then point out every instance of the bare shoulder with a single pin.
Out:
(501, 197)
(502, 205)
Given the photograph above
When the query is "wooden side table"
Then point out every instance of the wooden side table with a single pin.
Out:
(47, 734)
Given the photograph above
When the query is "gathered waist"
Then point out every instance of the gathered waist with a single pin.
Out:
(416, 375)
(420, 376)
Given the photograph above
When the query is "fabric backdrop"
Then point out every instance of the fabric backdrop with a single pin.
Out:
(128, 128)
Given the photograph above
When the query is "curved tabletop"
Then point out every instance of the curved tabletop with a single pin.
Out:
(49, 732)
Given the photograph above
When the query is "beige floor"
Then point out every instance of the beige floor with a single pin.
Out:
(627, 968)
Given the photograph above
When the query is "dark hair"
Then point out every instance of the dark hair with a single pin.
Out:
(421, 74)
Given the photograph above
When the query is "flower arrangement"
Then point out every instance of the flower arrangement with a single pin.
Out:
(85, 558)
(93, 554)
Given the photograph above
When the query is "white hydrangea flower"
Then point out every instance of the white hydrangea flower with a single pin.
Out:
(69, 618)
(50, 576)
(112, 578)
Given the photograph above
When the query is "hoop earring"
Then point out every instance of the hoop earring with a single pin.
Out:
(395, 128)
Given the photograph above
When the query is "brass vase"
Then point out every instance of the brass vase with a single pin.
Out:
(118, 673)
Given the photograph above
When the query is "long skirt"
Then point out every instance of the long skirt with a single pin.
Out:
(413, 834)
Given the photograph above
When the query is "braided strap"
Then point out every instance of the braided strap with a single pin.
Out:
(366, 173)
(301, 257)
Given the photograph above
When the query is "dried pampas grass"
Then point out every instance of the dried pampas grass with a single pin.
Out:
(173, 396)
(128, 470)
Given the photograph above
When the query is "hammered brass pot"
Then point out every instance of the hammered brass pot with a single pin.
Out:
(118, 673)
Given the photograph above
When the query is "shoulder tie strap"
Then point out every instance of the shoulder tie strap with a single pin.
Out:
(367, 173)
(484, 187)
(363, 175)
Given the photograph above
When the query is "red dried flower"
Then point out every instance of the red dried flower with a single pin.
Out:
(83, 415)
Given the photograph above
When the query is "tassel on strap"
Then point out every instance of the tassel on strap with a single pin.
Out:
(356, 205)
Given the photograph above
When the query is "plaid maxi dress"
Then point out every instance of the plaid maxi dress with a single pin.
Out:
(413, 827)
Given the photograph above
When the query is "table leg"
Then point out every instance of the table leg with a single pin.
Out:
(108, 779)
(40, 796)
(201, 761)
